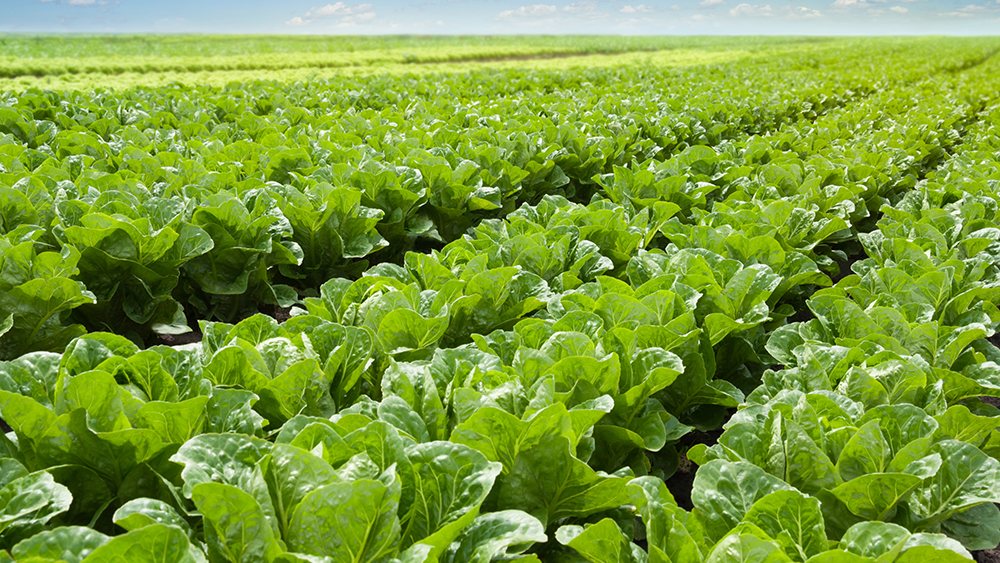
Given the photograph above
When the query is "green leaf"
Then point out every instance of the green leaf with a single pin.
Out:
(746, 548)
(875, 540)
(452, 481)
(840, 556)
(141, 512)
(35, 307)
(230, 410)
(112, 455)
(976, 528)
(549, 483)
(348, 522)
(865, 453)
(494, 534)
(874, 496)
(236, 529)
(501, 436)
(229, 459)
(71, 544)
(175, 423)
(666, 523)
(602, 542)
(404, 330)
(158, 543)
(292, 473)
(931, 554)
(149, 374)
(967, 477)
(98, 393)
(6, 324)
(724, 491)
(959, 423)
(793, 519)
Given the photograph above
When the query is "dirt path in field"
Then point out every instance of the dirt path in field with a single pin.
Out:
(537, 57)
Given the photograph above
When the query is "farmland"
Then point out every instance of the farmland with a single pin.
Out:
(551, 299)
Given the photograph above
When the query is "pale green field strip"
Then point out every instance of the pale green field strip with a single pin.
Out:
(165, 46)
(364, 64)
(16, 66)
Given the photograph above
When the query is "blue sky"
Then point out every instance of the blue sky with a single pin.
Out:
(862, 17)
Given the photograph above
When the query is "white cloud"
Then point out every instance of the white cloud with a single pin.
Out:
(527, 13)
(81, 2)
(746, 10)
(585, 9)
(711, 3)
(581, 10)
(678, 8)
(581, 7)
(637, 8)
(844, 5)
(336, 10)
(801, 13)
(968, 11)
(345, 14)
(766, 11)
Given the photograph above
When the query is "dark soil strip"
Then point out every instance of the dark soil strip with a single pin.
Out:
(177, 339)
(682, 481)
(540, 56)
(986, 556)
(973, 64)
(280, 314)
(292, 64)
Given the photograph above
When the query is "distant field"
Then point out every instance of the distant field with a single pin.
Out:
(55, 46)
(122, 61)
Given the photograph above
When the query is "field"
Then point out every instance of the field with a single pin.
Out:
(474, 299)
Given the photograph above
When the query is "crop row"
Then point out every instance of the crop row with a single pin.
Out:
(183, 203)
(521, 392)
(26, 47)
(220, 197)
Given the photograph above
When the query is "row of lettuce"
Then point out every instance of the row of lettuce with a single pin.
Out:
(142, 211)
(520, 393)
(54, 56)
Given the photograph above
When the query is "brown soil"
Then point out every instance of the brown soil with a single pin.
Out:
(522, 58)
(682, 481)
(987, 555)
(178, 339)
(995, 401)
(845, 267)
(282, 314)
